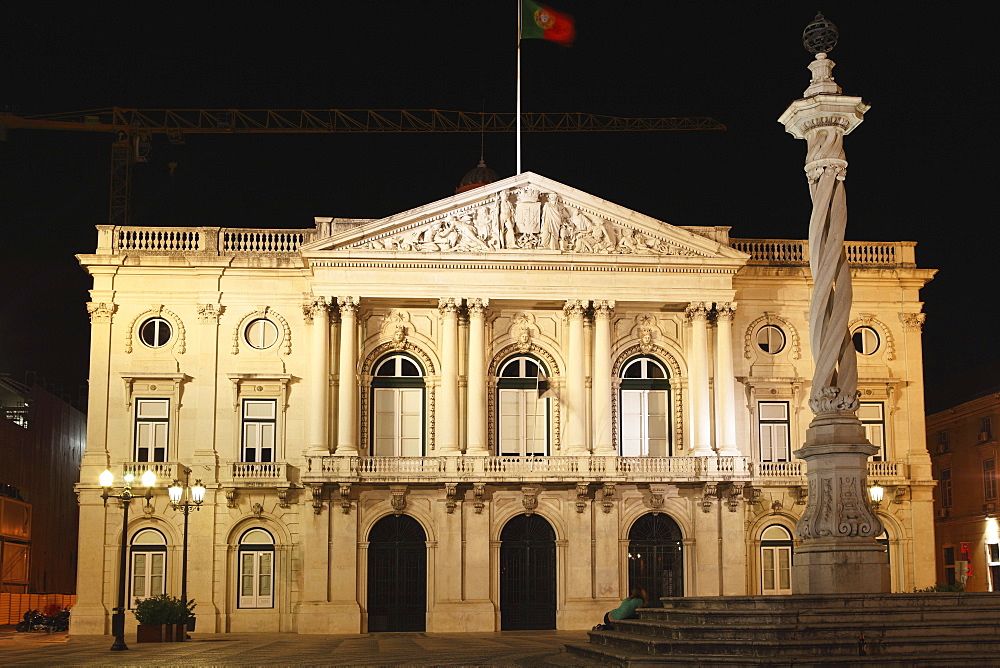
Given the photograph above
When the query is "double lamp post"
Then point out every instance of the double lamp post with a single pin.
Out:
(182, 497)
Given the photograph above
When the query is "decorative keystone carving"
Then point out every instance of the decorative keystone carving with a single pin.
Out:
(317, 498)
(209, 313)
(478, 492)
(899, 494)
(912, 322)
(608, 498)
(101, 312)
(283, 497)
(581, 496)
(398, 500)
(345, 497)
(801, 495)
(450, 493)
(257, 509)
(399, 337)
(231, 498)
(529, 499)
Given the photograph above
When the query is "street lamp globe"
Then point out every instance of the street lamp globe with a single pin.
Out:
(175, 491)
(148, 478)
(198, 492)
(107, 478)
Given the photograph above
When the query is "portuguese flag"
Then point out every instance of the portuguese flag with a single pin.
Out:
(541, 22)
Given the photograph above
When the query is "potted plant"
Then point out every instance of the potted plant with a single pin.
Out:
(162, 618)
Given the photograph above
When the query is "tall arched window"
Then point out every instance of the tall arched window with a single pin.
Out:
(149, 565)
(775, 561)
(398, 408)
(522, 415)
(256, 563)
(645, 409)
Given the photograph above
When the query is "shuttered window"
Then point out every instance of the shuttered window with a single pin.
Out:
(773, 431)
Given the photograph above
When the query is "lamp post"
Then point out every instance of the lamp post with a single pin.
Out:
(107, 479)
(876, 492)
(185, 497)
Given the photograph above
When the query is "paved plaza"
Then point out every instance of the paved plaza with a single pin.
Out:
(507, 648)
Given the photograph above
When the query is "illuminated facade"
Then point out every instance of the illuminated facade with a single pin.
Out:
(397, 419)
(963, 445)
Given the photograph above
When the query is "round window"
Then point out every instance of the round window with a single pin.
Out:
(771, 339)
(155, 332)
(866, 340)
(261, 333)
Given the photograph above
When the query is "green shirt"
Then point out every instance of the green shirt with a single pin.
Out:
(626, 609)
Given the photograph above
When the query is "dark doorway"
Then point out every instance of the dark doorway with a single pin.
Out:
(527, 574)
(397, 575)
(655, 557)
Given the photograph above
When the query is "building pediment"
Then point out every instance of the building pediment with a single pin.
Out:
(524, 213)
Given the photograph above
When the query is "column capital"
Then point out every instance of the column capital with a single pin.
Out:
(575, 308)
(348, 305)
(725, 311)
(912, 322)
(697, 311)
(314, 306)
(209, 313)
(477, 305)
(101, 312)
(604, 309)
(449, 305)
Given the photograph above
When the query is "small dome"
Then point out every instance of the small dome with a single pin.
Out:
(480, 175)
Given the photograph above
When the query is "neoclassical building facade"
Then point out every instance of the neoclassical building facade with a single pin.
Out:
(500, 410)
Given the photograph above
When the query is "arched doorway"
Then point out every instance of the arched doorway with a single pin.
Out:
(397, 575)
(527, 574)
(655, 557)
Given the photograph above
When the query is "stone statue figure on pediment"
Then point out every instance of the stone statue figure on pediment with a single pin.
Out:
(553, 215)
(506, 221)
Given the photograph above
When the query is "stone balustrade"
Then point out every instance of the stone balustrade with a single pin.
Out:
(166, 472)
(328, 468)
(118, 240)
(859, 253)
(257, 473)
(881, 471)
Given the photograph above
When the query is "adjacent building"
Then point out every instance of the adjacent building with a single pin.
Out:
(499, 410)
(963, 446)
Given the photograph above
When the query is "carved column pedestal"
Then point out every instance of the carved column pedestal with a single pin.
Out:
(838, 553)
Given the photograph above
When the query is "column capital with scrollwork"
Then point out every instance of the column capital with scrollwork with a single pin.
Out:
(477, 305)
(449, 305)
(576, 308)
(697, 311)
(725, 311)
(348, 305)
(314, 306)
(604, 309)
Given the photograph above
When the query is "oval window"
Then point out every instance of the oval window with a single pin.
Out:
(155, 332)
(261, 333)
(866, 340)
(771, 339)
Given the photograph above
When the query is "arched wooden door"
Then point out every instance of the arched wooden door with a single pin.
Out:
(655, 557)
(527, 574)
(397, 575)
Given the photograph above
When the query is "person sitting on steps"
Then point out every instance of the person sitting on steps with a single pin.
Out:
(626, 610)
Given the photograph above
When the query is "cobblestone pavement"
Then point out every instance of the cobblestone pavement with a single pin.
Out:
(506, 648)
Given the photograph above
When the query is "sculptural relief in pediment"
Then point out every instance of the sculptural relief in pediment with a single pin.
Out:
(525, 219)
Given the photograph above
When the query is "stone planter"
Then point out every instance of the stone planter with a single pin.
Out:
(161, 633)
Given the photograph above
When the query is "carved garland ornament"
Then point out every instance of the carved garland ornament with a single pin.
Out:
(793, 347)
(270, 314)
(867, 320)
(158, 312)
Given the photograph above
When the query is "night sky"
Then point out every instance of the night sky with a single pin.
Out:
(919, 163)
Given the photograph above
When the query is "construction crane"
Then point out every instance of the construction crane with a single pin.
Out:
(133, 129)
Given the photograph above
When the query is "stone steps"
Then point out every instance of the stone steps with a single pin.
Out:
(904, 629)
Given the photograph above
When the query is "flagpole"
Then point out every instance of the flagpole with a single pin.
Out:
(517, 113)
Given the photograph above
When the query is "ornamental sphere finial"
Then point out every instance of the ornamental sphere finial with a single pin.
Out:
(820, 36)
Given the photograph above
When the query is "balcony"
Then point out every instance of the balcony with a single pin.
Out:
(795, 472)
(255, 474)
(331, 468)
(166, 472)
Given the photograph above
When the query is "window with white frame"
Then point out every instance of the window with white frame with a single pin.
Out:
(255, 588)
(152, 420)
(522, 415)
(993, 563)
(872, 416)
(155, 332)
(773, 429)
(148, 565)
(261, 333)
(259, 429)
(987, 431)
(771, 339)
(645, 409)
(775, 561)
(866, 340)
(990, 479)
(398, 408)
